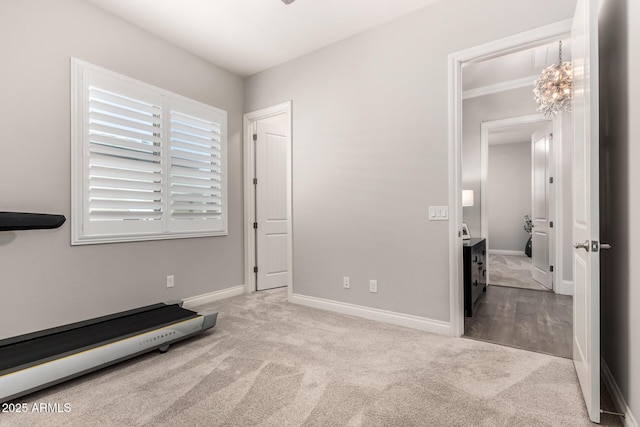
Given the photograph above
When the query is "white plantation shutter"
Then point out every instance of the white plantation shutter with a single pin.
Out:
(147, 164)
(124, 170)
(195, 167)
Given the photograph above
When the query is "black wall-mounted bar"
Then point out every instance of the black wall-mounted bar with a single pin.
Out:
(29, 221)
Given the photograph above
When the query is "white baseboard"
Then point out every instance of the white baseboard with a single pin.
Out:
(565, 287)
(213, 296)
(407, 320)
(506, 252)
(616, 395)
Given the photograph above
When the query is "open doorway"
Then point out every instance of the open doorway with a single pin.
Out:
(518, 202)
(514, 261)
(581, 241)
(512, 162)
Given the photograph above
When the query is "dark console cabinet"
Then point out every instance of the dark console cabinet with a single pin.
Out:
(475, 272)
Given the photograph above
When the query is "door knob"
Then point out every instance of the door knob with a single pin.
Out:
(584, 246)
(605, 246)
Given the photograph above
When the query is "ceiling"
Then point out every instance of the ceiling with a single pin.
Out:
(249, 36)
(515, 134)
(523, 64)
(527, 65)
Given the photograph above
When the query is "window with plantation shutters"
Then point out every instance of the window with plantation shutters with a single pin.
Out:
(146, 163)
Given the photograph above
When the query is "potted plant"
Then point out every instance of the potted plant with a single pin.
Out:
(528, 226)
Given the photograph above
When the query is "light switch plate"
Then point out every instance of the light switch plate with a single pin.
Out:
(438, 213)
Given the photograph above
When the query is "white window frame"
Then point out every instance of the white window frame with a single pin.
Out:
(168, 222)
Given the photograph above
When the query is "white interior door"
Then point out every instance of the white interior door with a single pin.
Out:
(586, 258)
(540, 191)
(272, 206)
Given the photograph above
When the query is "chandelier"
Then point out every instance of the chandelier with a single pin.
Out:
(553, 90)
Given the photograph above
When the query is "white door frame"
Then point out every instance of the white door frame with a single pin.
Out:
(528, 39)
(555, 211)
(249, 191)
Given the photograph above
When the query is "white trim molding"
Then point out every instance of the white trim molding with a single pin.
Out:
(401, 319)
(213, 296)
(510, 44)
(616, 395)
(499, 87)
(456, 296)
(506, 252)
(565, 287)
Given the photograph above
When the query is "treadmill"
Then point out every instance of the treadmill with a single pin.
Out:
(41, 359)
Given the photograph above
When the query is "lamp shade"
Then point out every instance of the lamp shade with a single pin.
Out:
(467, 198)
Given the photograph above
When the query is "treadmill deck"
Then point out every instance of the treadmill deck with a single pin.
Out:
(34, 361)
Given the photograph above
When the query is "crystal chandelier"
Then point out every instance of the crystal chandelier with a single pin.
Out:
(553, 90)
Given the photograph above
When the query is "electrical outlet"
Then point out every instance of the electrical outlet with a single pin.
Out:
(346, 282)
(373, 286)
(170, 281)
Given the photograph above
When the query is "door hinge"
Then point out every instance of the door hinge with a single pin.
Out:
(255, 136)
(551, 268)
(550, 180)
(255, 269)
(551, 224)
(255, 181)
(255, 225)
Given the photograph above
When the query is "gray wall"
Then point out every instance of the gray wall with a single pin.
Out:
(619, 194)
(475, 111)
(46, 282)
(509, 195)
(370, 151)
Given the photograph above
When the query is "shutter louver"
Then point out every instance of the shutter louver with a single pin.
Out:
(125, 171)
(195, 168)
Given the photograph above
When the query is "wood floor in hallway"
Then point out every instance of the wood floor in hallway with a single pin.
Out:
(528, 319)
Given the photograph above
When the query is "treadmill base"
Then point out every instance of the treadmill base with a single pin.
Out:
(20, 375)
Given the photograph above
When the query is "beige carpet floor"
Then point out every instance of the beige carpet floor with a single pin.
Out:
(272, 363)
(512, 271)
